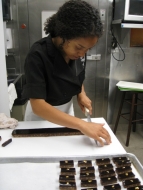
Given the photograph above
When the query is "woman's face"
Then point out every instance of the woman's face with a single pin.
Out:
(76, 48)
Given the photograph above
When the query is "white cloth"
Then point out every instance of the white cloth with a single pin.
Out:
(130, 85)
(30, 116)
(6, 122)
(12, 95)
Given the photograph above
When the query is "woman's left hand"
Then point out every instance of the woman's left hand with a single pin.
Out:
(83, 102)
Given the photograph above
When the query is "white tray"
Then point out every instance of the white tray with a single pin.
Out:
(42, 173)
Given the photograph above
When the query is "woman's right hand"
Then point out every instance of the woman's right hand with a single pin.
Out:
(96, 131)
(48, 112)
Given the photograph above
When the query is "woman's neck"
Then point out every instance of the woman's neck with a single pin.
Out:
(57, 41)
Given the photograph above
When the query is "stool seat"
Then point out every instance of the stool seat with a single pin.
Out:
(134, 89)
(130, 86)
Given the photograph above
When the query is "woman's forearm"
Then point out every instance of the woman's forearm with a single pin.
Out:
(50, 113)
(82, 90)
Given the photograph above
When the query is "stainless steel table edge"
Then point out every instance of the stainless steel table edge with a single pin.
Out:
(53, 159)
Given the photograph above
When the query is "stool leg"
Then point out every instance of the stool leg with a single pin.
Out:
(134, 114)
(119, 112)
(130, 120)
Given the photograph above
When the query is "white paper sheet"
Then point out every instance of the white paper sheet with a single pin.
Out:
(131, 85)
(41, 176)
(9, 41)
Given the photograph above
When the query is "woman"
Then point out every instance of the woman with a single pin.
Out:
(55, 68)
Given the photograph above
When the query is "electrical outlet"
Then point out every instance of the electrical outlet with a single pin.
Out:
(116, 50)
(102, 14)
(96, 57)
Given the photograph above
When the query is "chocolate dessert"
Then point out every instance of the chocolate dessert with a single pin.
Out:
(90, 189)
(124, 169)
(122, 163)
(108, 180)
(66, 164)
(87, 176)
(66, 178)
(125, 176)
(67, 186)
(87, 169)
(68, 171)
(106, 173)
(131, 182)
(136, 188)
(114, 187)
(84, 163)
(105, 167)
(103, 161)
(116, 159)
(88, 183)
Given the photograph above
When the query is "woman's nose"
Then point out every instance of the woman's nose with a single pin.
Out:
(81, 54)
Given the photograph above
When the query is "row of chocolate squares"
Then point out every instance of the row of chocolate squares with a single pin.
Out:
(133, 184)
(119, 162)
(105, 175)
(103, 172)
(104, 180)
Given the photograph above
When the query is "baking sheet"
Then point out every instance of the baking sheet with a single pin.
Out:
(43, 173)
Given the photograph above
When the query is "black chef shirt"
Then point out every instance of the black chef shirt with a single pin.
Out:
(49, 77)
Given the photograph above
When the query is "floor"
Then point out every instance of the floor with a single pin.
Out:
(136, 141)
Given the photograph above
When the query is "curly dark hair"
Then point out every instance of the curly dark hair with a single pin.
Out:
(75, 18)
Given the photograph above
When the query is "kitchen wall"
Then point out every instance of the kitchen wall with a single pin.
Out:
(130, 69)
(4, 101)
(97, 72)
(13, 57)
(102, 75)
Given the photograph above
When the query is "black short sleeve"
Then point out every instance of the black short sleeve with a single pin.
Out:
(35, 80)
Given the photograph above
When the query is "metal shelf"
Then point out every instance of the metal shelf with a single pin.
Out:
(127, 25)
(122, 28)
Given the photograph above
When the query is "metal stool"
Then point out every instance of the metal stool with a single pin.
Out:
(132, 113)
